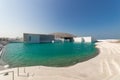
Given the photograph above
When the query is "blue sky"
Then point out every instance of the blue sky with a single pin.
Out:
(97, 18)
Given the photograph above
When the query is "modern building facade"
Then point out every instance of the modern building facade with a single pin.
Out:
(88, 39)
(78, 39)
(37, 38)
(63, 37)
(59, 37)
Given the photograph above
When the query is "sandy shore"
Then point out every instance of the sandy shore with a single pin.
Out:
(105, 66)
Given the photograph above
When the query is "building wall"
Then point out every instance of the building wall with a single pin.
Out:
(34, 38)
(78, 39)
(83, 39)
(87, 39)
(46, 38)
(38, 38)
(59, 40)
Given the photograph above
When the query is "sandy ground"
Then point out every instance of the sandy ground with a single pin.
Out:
(105, 66)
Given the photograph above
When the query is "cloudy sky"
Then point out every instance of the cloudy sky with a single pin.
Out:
(98, 18)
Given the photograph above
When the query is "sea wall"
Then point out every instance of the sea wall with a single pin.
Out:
(2, 63)
(1, 48)
(0, 53)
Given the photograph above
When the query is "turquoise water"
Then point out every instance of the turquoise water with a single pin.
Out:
(48, 54)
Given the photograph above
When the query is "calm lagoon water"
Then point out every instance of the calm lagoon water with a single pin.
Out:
(48, 54)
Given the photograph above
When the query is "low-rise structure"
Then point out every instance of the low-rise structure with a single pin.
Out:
(78, 39)
(63, 37)
(38, 38)
(88, 39)
(57, 37)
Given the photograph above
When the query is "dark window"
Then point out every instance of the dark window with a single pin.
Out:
(29, 38)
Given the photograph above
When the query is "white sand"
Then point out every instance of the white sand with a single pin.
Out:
(105, 66)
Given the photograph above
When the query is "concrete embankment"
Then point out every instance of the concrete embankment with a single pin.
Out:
(0, 52)
(2, 63)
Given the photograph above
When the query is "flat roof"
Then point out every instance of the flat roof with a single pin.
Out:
(36, 34)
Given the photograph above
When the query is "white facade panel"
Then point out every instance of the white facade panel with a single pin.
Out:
(78, 39)
(87, 39)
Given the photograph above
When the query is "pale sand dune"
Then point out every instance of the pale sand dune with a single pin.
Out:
(105, 66)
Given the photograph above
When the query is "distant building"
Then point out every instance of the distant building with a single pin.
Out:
(56, 37)
(37, 38)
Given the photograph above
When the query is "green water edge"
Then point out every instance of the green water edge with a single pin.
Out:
(48, 54)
